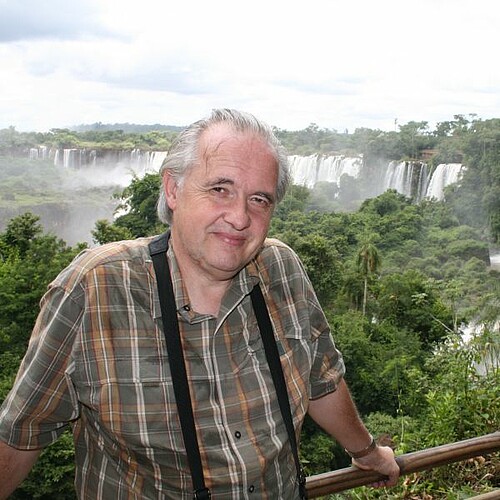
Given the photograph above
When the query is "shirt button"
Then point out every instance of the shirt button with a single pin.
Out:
(237, 434)
(251, 489)
(187, 308)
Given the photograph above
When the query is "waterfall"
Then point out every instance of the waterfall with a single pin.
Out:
(495, 259)
(303, 170)
(408, 178)
(445, 174)
(72, 158)
(135, 160)
(39, 153)
(66, 158)
(155, 159)
(334, 167)
(146, 161)
(308, 170)
(491, 354)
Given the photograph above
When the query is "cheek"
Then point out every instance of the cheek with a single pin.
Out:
(261, 223)
(201, 210)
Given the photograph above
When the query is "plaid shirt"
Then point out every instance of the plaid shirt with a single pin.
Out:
(97, 359)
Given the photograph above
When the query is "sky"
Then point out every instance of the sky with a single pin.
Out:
(340, 64)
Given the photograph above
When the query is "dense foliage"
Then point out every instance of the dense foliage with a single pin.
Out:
(14, 142)
(398, 282)
(29, 260)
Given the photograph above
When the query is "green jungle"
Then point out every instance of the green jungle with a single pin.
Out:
(401, 282)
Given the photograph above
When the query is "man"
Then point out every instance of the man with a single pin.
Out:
(97, 357)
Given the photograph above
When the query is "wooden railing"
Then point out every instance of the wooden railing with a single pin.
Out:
(351, 477)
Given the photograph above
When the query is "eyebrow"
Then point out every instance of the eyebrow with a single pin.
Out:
(219, 180)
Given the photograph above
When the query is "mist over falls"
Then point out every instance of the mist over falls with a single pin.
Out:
(346, 182)
(70, 189)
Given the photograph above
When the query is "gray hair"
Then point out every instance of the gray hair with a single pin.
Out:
(184, 151)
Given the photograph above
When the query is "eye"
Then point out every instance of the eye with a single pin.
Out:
(218, 190)
(261, 201)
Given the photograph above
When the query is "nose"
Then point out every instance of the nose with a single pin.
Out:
(237, 215)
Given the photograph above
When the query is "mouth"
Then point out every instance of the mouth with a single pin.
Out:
(234, 240)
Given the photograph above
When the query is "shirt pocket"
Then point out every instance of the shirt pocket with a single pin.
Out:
(125, 393)
(296, 361)
(136, 415)
(239, 349)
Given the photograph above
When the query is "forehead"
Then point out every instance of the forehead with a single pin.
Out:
(223, 140)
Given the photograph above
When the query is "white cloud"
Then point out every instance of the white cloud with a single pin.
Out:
(335, 63)
(55, 19)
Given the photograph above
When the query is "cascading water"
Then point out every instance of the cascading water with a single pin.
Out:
(410, 178)
(308, 170)
(146, 161)
(155, 160)
(495, 259)
(135, 160)
(444, 175)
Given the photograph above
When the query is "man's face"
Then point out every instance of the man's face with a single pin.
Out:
(223, 207)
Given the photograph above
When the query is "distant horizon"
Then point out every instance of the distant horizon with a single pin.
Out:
(107, 125)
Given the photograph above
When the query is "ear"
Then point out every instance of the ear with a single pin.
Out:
(171, 188)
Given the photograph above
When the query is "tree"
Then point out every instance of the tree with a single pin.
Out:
(368, 262)
(139, 201)
(321, 262)
(414, 136)
(105, 232)
(295, 200)
(20, 233)
(410, 300)
(29, 260)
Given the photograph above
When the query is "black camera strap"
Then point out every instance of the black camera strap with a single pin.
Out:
(273, 360)
(158, 251)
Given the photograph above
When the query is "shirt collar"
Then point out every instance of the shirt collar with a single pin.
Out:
(241, 286)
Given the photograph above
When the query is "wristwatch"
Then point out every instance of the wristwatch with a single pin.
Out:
(365, 451)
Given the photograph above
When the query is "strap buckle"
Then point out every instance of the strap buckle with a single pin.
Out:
(302, 484)
(202, 494)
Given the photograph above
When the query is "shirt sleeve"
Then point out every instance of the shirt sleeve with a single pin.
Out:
(43, 401)
(327, 362)
(300, 309)
(328, 366)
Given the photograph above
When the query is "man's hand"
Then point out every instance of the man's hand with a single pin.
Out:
(337, 415)
(381, 460)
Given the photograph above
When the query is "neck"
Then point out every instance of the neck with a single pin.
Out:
(205, 291)
(205, 296)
